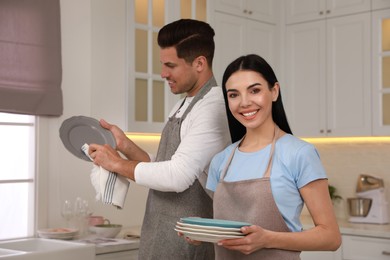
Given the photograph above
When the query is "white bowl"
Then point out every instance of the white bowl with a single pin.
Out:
(106, 230)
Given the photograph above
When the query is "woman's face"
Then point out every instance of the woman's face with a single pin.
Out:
(250, 99)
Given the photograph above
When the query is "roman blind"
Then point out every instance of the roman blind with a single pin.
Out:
(30, 57)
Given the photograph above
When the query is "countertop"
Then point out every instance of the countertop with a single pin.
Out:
(127, 239)
(355, 229)
(110, 245)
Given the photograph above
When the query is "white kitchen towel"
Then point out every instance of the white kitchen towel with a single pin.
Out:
(110, 187)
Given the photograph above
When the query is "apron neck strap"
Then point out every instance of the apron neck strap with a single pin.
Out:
(269, 166)
(267, 172)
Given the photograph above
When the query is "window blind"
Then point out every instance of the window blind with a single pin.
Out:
(30, 57)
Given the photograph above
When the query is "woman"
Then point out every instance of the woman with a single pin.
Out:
(267, 174)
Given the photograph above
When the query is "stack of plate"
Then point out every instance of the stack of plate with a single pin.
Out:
(58, 233)
(210, 230)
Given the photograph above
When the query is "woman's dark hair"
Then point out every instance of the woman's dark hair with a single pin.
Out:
(255, 63)
(191, 38)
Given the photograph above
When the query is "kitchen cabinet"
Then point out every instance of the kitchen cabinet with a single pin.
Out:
(380, 4)
(148, 97)
(310, 10)
(236, 36)
(365, 248)
(381, 71)
(321, 255)
(122, 255)
(261, 10)
(328, 76)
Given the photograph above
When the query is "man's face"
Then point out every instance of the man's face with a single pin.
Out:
(181, 76)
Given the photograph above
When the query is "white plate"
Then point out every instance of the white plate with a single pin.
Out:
(55, 237)
(209, 231)
(207, 227)
(58, 233)
(206, 237)
(79, 130)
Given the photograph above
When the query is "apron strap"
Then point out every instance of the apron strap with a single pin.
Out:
(267, 172)
(269, 166)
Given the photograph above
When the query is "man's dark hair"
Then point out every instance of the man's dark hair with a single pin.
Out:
(191, 38)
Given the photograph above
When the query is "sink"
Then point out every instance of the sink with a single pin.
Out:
(45, 249)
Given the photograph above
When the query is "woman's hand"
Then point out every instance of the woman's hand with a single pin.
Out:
(254, 240)
(189, 241)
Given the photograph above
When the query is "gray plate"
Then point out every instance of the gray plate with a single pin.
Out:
(78, 130)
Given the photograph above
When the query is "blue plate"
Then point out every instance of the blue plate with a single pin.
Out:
(214, 222)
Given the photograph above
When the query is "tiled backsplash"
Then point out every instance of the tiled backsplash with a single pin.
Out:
(344, 162)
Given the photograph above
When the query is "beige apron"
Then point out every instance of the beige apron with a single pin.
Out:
(251, 201)
(159, 240)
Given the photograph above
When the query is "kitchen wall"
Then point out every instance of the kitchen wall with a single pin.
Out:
(344, 162)
(94, 84)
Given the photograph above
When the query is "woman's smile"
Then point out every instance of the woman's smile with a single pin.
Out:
(249, 114)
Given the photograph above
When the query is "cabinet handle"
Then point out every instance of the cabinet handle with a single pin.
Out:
(328, 11)
(385, 252)
(245, 11)
(321, 13)
(329, 131)
(322, 131)
(250, 12)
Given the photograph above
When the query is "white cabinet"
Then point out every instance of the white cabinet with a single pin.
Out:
(321, 255)
(380, 4)
(236, 36)
(123, 255)
(308, 10)
(381, 71)
(328, 76)
(148, 97)
(365, 248)
(262, 10)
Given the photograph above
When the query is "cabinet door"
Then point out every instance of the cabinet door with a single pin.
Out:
(380, 4)
(364, 248)
(260, 39)
(381, 72)
(124, 255)
(305, 78)
(348, 76)
(262, 10)
(344, 7)
(304, 10)
(149, 100)
(229, 41)
(307, 10)
(321, 255)
(329, 84)
(235, 7)
(237, 36)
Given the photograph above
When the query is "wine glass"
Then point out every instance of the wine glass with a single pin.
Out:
(67, 211)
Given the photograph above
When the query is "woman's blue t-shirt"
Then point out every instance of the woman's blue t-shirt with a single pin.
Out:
(295, 164)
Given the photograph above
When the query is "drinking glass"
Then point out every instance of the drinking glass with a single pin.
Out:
(81, 212)
(67, 211)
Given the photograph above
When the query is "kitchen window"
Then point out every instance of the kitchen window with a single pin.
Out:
(17, 175)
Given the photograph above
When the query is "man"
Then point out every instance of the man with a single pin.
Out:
(196, 130)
